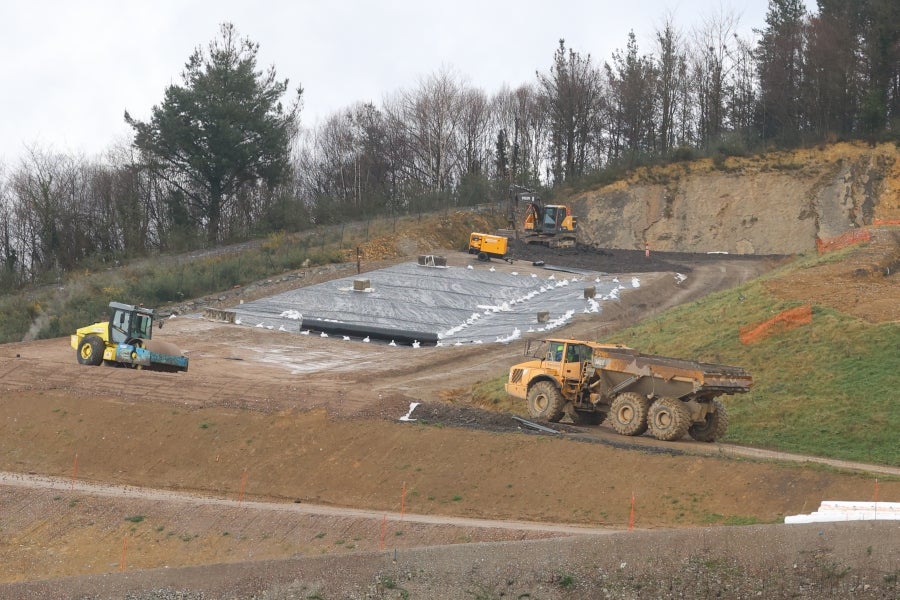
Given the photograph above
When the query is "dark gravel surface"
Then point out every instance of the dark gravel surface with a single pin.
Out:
(805, 562)
(617, 260)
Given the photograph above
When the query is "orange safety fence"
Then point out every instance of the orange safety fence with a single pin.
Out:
(879, 222)
(793, 317)
(845, 239)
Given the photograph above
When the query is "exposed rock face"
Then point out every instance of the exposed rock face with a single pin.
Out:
(777, 204)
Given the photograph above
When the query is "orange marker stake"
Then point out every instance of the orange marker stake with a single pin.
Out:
(243, 484)
(402, 500)
(383, 530)
(124, 548)
(876, 498)
(74, 472)
(631, 516)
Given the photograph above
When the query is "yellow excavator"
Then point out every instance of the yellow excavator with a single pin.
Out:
(550, 225)
(126, 340)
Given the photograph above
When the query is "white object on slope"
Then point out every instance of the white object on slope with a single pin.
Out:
(412, 407)
(837, 510)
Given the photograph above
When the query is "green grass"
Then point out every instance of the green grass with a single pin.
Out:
(827, 389)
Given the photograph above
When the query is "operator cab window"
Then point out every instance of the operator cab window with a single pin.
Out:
(578, 353)
(119, 330)
(143, 327)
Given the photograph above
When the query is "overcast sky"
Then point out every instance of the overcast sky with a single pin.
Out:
(70, 68)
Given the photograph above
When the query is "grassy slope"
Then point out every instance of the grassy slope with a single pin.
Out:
(82, 298)
(828, 388)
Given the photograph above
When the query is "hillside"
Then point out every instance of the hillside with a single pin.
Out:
(776, 203)
(276, 466)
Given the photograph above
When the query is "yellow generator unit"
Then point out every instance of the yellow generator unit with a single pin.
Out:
(488, 246)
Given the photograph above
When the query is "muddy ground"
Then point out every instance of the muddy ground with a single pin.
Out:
(305, 484)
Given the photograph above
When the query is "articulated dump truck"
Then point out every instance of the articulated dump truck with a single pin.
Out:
(590, 382)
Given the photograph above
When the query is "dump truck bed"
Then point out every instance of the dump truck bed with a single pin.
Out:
(705, 377)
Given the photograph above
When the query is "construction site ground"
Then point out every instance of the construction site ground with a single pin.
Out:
(250, 477)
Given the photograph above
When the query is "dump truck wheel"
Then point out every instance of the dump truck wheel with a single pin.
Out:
(545, 402)
(668, 419)
(90, 351)
(628, 413)
(713, 427)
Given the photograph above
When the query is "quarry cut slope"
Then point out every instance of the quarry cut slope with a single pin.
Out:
(778, 203)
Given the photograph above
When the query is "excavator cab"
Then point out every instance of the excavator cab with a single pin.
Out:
(551, 225)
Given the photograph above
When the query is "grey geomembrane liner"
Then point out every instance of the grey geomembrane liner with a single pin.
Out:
(459, 304)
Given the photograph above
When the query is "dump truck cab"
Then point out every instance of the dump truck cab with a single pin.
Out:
(561, 364)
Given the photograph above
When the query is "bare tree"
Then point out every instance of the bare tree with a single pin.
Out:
(346, 171)
(10, 265)
(61, 218)
(711, 65)
(430, 117)
(742, 96)
(475, 130)
(520, 114)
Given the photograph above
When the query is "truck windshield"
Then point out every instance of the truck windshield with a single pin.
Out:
(544, 350)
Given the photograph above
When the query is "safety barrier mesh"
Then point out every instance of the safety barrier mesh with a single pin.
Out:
(840, 241)
(783, 321)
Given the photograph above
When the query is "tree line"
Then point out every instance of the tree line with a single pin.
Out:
(223, 157)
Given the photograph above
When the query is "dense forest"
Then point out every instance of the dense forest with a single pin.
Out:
(223, 157)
